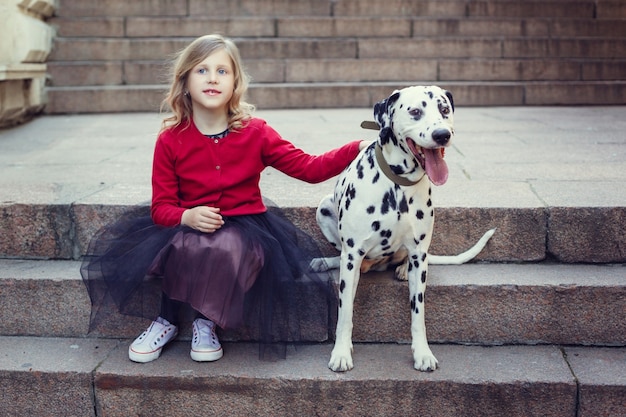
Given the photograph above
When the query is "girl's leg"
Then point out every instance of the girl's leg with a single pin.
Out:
(170, 309)
(147, 347)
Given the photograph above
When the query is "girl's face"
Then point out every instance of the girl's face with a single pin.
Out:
(211, 83)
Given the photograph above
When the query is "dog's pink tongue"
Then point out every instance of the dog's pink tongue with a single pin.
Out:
(436, 167)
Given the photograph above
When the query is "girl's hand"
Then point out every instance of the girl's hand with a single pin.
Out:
(202, 218)
(364, 144)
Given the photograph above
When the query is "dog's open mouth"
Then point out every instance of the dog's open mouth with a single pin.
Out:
(431, 161)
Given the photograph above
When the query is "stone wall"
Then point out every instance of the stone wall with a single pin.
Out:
(25, 44)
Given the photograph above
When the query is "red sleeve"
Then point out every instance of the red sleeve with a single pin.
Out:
(285, 157)
(165, 209)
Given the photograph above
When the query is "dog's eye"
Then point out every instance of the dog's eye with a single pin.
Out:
(445, 110)
(416, 113)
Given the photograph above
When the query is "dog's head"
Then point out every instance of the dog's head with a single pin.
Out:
(419, 122)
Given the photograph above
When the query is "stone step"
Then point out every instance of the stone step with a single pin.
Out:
(334, 27)
(494, 8)
(105, 49)
(94, 377)
(147, 98)
(92, 73)
(530, 172)
(484, 304)
(525, 234)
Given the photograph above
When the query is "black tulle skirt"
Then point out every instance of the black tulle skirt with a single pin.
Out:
(252, 275)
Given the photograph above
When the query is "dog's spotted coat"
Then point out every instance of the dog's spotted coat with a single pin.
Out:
(377, 218)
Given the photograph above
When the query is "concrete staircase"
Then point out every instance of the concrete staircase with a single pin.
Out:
(535, 328)
(108, 55)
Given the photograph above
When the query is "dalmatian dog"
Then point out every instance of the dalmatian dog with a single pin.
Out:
(381, 214)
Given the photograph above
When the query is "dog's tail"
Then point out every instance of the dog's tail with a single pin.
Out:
(461, 258)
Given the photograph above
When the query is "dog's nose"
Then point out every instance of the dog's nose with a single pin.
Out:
(441, 136)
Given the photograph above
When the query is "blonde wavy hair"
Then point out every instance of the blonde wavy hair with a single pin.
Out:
(239, 112)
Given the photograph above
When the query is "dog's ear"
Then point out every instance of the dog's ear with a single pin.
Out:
(381, 109)
(449, 95)
(383, 117)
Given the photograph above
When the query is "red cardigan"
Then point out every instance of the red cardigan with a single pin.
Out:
(191, 170)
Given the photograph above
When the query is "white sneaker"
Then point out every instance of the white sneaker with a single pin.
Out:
(147, 347)
(205, 347)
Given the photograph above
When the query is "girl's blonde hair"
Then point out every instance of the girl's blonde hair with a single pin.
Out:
(197, 51)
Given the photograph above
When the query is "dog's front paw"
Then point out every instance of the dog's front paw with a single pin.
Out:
(340, 360)
(425, 362)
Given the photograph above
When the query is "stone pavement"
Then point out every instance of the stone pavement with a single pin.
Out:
(500, 157)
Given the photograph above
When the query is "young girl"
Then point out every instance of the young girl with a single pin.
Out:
(220, 252)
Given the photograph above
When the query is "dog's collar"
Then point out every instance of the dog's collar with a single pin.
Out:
(384, 166)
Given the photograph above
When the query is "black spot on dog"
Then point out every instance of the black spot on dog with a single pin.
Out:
(386, 233)
(350, 266)
(429, 203)
(375, 225)
(423, 256)
(385, 135)
(423, 277)
(397, 169)
(342, 285)
(325, 212)
(389, 202)
(420, 297)
(413, 303)
(376, 178)
(370, 209)
(404, 205)
(419, 214)
(351, 191)
(422, 236)
(350, 242)
(370, 159)
(359, 170)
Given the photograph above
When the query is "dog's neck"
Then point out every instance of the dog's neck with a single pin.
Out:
(395, 178)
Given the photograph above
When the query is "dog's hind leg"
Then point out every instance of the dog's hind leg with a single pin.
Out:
(417, 268)
(328, 222)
